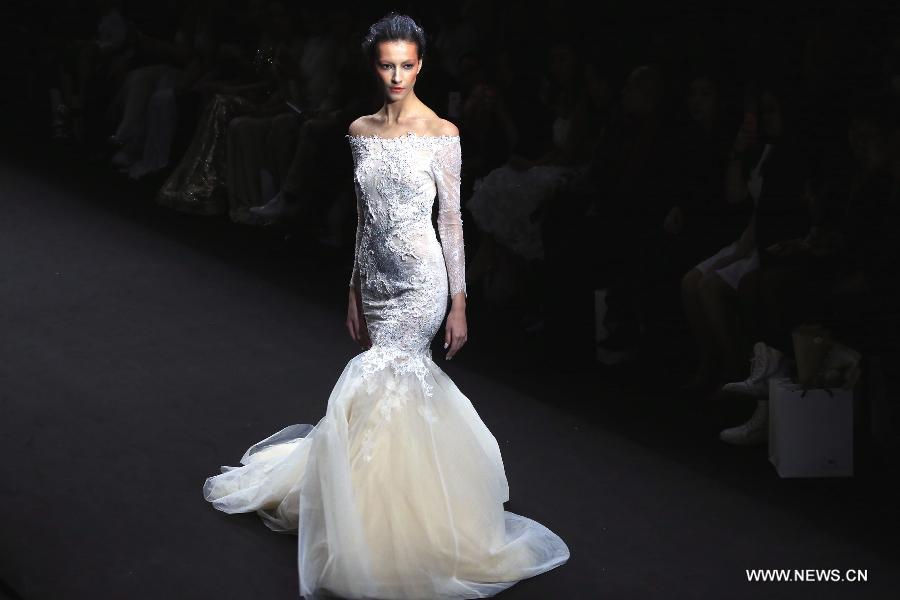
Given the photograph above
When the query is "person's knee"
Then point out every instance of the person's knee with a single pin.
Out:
(690, 282)
(305, 128)
(131, 77)
(711, 289)
(285, 122)
(238, 124)
(162, 97)
(749, 285)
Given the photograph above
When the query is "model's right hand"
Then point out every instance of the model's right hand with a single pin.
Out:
(356, 324)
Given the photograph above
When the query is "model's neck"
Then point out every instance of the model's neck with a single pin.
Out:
(399, 110)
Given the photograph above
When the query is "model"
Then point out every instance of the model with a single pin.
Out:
(398, 491)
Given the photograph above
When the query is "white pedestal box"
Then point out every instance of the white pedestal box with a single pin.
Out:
(811, 434)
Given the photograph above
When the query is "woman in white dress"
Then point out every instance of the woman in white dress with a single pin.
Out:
(398, 491)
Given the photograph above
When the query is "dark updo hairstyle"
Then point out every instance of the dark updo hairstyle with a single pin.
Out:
(393, 27)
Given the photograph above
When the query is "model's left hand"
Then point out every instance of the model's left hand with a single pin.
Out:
(455, 331)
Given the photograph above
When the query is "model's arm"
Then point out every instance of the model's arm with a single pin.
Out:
(356, 323)
(447, 169)
(354, 275)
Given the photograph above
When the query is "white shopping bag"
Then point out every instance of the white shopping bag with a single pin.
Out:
(811, 432)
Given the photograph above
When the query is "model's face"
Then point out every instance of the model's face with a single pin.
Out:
(397, 65)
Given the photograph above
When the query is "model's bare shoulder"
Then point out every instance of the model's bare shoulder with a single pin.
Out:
(432, 124)
(362, 126)
(438, 126)
(448, 128)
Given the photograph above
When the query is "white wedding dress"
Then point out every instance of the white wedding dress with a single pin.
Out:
(398, 491)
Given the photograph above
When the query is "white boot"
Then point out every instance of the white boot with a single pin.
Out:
(754, 431)
(766, 363)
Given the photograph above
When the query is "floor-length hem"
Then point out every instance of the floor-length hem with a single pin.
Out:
(397, 492)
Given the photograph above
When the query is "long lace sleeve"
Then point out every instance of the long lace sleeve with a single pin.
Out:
(447, 168)
(354, 275)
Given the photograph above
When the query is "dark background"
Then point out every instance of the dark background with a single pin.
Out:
(142, 347)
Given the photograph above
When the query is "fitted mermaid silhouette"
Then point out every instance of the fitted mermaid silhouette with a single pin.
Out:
(398, 491)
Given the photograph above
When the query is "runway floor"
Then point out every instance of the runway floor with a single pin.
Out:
(141, 349)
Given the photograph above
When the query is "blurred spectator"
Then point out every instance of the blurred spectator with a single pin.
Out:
(605, 231)
(198, 183)
(766, 169)
(487, 129)
(585, 208)
(260, 144)
(85, 64)
(506, 204)
(310, 142)
(148, 97)
(867, 223)
(702, 218)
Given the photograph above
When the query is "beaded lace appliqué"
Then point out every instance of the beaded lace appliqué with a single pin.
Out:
(390, 177)
(406, 369)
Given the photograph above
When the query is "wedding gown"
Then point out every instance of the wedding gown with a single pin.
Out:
(398, 491)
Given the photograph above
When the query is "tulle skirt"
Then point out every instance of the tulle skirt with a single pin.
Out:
(397, 492)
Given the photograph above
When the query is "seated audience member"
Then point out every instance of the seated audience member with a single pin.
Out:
(833, 276)
(702, 218)
(766, 169)
(505, 203)
(198, 184)
(604, 229)
(88, 69)
(329, 84)
(148, 98)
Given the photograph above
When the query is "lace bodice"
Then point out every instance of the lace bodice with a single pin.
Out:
(396, 180)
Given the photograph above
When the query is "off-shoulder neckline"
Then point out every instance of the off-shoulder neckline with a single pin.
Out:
(406, 135)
